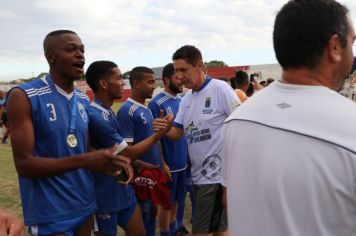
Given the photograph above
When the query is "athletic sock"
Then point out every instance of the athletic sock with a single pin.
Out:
(165, 233)
(151, 227)
(173, 227)
(180, 213)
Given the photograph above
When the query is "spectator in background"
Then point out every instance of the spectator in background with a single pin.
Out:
(242, 84)
(2, 108)
(263, 83)
(6, 126)
(269, 81)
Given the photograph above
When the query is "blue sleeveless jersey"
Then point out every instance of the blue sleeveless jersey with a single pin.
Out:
(175, 153)
(68, 195)
(111, 196)
(135, 124)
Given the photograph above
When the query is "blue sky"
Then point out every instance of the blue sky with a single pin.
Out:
(139, 33)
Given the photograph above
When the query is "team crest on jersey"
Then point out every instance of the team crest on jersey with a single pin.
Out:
(105, 115)
(82, 112)
(207, 108)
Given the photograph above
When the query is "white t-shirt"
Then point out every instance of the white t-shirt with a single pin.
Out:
(290, 163)
(201, 115)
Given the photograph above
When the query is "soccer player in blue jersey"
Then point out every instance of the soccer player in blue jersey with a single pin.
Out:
(174, 152)
(200, 118)
(49, 126)
(117, 204)
(135, 124)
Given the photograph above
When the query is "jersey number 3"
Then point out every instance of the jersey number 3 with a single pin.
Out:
(53, 115)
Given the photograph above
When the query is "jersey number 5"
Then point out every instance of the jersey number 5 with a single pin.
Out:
(143, 118)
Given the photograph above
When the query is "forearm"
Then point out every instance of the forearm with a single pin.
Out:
(44, 167)
(137, 150)
(175, 133)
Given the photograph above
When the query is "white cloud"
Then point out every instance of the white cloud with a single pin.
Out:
(139, 32)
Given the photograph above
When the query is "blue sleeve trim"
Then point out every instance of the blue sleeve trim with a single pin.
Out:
(177, 125)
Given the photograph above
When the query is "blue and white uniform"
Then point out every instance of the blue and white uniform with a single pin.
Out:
(175, 153)
(201, 115)
(68, 195)
(111, 196)
(135, 124)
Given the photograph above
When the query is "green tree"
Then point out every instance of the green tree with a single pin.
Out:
(215, 63)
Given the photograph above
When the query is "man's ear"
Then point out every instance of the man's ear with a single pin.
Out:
(201, 66)
(135, 83)
(334, 49)
(50, 58)
(103, 84)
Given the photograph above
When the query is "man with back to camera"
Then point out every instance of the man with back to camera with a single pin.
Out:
(175, 153)
(135, 124)
(300, 180)
(49, 125)
(117, 204)
(200, 117)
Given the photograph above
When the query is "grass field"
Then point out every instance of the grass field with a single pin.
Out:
(9, 197)
(9, 194)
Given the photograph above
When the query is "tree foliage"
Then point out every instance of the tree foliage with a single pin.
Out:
(215, 63)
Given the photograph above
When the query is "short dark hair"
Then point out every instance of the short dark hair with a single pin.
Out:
(233, 82)
(303, 28)
(188, 53)
(241, 78)
(55, 33)
(138, 72)
(98, 70)
(270, 80)
(168, 71)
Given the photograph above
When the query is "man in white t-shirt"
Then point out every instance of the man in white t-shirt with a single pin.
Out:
(290, 150)
(200, 117)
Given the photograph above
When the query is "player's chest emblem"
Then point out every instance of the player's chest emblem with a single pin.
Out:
(105, 115)
(207, 106)
(82, 112)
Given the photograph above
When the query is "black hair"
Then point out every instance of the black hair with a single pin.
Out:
(241, 78)
(168, 71)
(233, 82)
(270, 80)
(303, 28)
(188, 53)
(55, 33)
(98, 70)
(138, 73)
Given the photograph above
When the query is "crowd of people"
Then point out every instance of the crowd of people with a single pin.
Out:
(275, 158)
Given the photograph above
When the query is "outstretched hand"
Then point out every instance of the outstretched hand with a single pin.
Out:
(128, 170)
(163, 124)
(105, 161)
